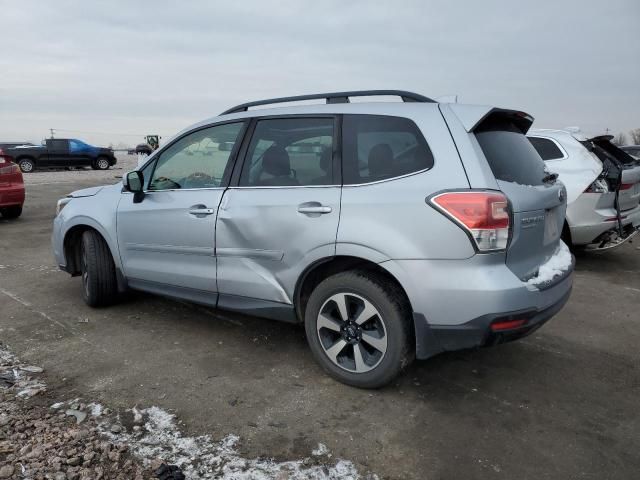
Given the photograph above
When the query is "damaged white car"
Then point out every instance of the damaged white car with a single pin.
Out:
(603, 187)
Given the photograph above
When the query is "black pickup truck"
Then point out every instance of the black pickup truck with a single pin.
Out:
(59, 152)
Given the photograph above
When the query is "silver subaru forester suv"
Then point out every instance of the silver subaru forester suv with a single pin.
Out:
(391, 230)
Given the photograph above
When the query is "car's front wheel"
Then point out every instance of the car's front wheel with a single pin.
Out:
(99, 287)
(102, 164)
(358, 325)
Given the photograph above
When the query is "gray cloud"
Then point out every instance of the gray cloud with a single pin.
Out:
(142, 67)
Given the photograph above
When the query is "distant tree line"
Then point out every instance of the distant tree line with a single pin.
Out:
(634, 136)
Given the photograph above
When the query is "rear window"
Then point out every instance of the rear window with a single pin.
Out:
(546, 148)
(377, 147)
(510, 154)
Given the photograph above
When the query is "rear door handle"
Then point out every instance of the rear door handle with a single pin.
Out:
(314, 209)
(201, 210)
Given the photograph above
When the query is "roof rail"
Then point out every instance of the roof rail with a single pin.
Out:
(334, 97)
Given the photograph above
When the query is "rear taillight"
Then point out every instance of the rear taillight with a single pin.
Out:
(626, 186)
(599, 186)
(484, 215)
(8, 168)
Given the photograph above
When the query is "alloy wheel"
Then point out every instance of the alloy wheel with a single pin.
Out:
(103, 164)
(352, 332)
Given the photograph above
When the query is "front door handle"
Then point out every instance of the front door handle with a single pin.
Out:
(314, 209)
(199, 210)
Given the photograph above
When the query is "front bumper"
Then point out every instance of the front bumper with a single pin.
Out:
(57, 243)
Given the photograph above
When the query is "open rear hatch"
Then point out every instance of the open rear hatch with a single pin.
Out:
(537, 200)
(620, 170)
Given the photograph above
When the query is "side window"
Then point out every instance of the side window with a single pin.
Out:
(546, 148)
(290, 152)
(380, 147)
(58, 145)
(196, 160)
(77, 146)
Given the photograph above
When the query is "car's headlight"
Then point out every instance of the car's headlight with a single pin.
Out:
(61, 204)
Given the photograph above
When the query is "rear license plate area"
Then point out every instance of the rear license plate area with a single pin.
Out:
(551, 227)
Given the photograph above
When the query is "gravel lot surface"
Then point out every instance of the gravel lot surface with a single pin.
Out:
(562, 403)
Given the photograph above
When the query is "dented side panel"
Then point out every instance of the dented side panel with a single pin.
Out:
(263, 243)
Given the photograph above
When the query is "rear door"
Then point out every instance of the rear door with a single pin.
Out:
(537, 201)
(57, 153)
(283, 212)
(629, 171)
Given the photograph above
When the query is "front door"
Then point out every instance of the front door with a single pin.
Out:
(282, 215)
(166, 241)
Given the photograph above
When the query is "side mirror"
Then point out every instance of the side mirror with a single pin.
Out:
(134, 182)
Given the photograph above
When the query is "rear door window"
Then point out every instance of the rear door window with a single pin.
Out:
(510, 154)
(290, 152)
(379, 147)
(546, 148)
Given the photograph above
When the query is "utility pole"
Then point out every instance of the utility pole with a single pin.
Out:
(52, 132)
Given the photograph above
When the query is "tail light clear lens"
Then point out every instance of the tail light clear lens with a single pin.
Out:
(484, 215)
(599, 186)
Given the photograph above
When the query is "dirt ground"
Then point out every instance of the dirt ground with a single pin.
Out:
(562, 403)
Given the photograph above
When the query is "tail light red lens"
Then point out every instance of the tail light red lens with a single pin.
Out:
(484, 215)
(6, 164)
(626, 186)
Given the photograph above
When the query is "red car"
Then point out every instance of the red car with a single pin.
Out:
(11, 188)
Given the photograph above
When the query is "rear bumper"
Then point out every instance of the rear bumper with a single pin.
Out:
(587, 222)
(11, 195)
(455, 301)
(478, 332)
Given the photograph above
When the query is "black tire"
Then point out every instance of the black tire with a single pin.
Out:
(99, 285)
(27, 165)
(11, 212)
(394, 313)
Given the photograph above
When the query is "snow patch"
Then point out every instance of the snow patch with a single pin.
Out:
(200, 457)
(321, 450)
(559, 262)
(96, 409)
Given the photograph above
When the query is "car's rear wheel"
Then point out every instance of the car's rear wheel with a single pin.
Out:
(99, 287)
(358, 325)
(102, 163)
(26, 165)
(11, 212)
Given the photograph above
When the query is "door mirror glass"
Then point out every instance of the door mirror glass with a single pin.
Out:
(133, 181)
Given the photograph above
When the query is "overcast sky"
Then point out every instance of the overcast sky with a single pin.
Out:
(124, 68)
